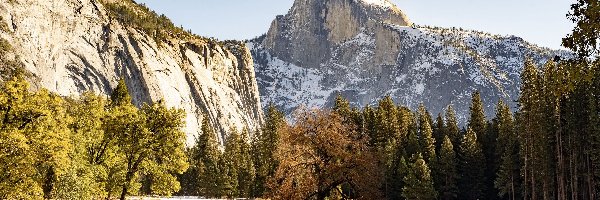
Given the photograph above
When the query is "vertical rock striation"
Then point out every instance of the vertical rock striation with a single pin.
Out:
(73, 46)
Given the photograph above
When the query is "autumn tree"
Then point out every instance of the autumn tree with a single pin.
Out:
(319, 156)
(34, 141)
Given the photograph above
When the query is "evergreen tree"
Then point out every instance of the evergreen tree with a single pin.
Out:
(120, 95)
(387, 130)
(427, 142)
(207, 158)
(507, 180)
(246, 171)
(453, 131)
(472, 166)
(447, 174)
(229, 163)
(265, 145)
(477, 121)
(419, 184)
(533, 139)
(439, 131)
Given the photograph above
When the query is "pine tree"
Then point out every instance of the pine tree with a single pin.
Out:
(427, 142)
(120, 95)
(446, 173)
(453, 131)
(472, 166)
(207, 157)
(419, 184)
(477, 121)
(387, 130)
(265, 145)
(229, 163)
(507, 180)
(532, 143)
(439, 131)
(246, 171)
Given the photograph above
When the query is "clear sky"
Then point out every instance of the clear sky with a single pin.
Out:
(542, 22)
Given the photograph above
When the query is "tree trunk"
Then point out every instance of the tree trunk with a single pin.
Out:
(512, 187)
(123, 193)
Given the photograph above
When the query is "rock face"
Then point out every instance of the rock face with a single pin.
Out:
(367, 49)
(72, 46)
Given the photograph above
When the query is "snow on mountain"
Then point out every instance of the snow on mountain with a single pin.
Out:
(364, 54)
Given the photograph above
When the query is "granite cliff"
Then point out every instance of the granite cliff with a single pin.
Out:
(367, 49)
(73, 46)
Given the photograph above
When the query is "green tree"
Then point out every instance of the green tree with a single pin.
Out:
(507, 180)
(206, 157)
(120, 95)
(453, 131)
(477, 121)
(447, 174)
(160, 154)
(229, 163)
(585, 37)
(419, 184)
(85, 179)
(427, 142)
(246, 171)
(472, 165)
(265, 145)
(439, 131)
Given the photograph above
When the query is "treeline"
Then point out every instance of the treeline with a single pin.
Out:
(91, 147)
(548, 149)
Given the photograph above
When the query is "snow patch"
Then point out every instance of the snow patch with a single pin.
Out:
(379, 3)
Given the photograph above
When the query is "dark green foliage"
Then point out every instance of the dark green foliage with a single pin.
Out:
(140, 17)
(439, 131)
(452, 129)
(264, 146)
(207, 157)
(446, 175)
(120, 95)
(427, 142)
(508, 175)
(418, 181)
(472, 166)
(477, 121)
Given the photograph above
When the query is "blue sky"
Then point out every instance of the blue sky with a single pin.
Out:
(542, 22)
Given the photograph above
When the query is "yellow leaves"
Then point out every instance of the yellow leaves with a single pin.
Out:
(84, 148)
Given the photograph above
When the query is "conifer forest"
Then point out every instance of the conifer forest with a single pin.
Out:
(97, 147)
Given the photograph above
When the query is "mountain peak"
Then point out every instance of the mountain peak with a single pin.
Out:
(312, 27)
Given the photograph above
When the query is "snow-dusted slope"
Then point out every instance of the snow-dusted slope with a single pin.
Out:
(381, 53)
(72, 46)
